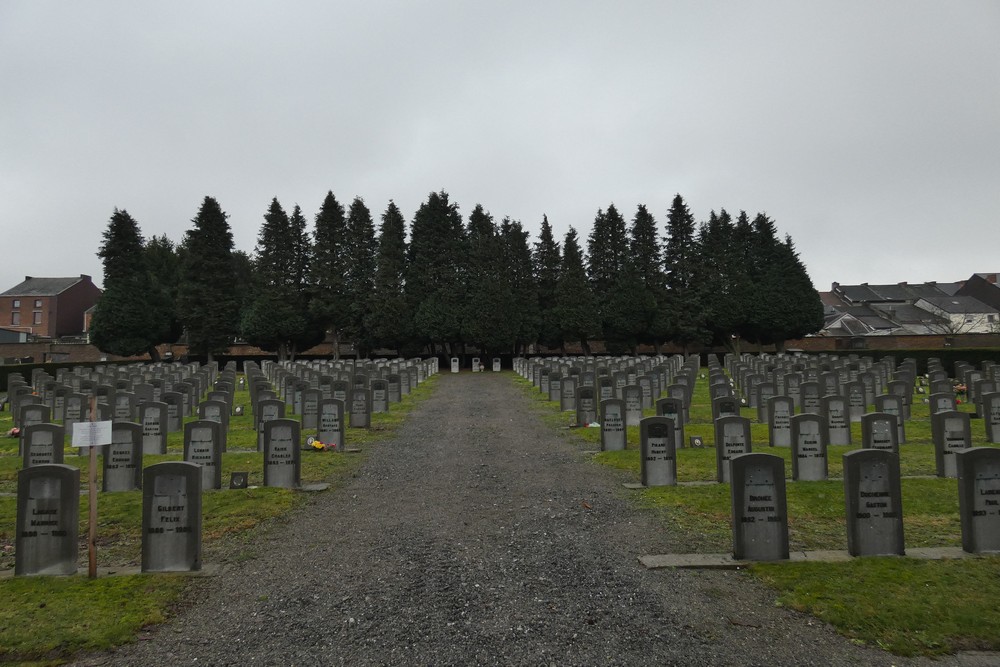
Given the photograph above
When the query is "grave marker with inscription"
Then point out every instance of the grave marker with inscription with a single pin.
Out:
(760, 515)
(171, 517)
(48, 509)
(874, 503)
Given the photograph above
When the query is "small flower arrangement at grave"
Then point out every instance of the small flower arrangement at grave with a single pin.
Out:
(14, 432)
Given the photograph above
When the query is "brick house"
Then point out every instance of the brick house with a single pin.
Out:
(48, 307)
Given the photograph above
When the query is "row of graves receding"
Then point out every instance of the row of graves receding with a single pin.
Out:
(136, 406)
(808, 404)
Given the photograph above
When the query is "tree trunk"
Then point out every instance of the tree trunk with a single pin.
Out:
(154, 354)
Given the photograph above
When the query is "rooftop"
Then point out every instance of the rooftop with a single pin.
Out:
(44, 286)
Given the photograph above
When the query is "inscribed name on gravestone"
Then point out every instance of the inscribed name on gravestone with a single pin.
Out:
(203, 447)
(48, 508)
(873, 501)
(171, 517)
(779, 414)
(122, 459)
(612, 424)
(732, 438)
(282, 453)
(43, 444)
(809, 456)
(632, 396)
(879, 431)
(760, 517)
(658, 452)
(979, 498)
(331, 423)
(951, 433)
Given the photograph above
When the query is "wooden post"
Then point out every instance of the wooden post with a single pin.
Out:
(92, 482)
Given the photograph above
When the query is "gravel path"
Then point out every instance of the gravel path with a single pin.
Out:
(478, 536)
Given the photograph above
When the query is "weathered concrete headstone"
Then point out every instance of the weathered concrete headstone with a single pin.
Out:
(991, 416)
(394, 388)
(175, 410)
(674, 409)
(658, 452)
(153, 417)
(838, 423)
(48, 510)
(43, 444)
(732, 438)
(455, 364)
(216, 411)
(330, 430)
(632, 396)
(267, 409)
(586, 406)
(809, 454)
(779, 414)
(122, 460)
(879, 431)
(892, 405)
(760, 515)
(979, 498)
(613, 435)
(310, 408)
(567, 394)
(282, 453)
(203, 447)
(496, 364)
(874, 503)
(951, 433)
(360, 409)
(725, 406)
(171, 517)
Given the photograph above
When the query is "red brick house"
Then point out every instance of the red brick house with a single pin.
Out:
(48, 307)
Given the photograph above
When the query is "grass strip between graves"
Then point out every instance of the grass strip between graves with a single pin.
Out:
(907, 606)
(80, 614)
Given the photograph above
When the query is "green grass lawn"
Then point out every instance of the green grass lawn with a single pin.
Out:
(83, 614)
(906, 606)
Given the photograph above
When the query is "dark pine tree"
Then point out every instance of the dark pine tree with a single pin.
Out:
(361, 250)
(607, 251)
(575, 304)
(389, 320)
(207, 303)
(682, 313)
(123, 323)
(517, 267)
(435, 281)
(546, 260)
(328, 303)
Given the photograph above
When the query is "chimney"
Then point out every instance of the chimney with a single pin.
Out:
(991, 278)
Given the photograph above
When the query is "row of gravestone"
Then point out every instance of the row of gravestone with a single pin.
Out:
(873, 504)
(476, 365)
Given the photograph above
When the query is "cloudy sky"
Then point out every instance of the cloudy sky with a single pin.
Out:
(869, 131)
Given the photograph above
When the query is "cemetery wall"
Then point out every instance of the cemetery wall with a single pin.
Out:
(862, 343)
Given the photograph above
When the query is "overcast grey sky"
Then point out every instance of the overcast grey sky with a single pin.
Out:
(869, 131)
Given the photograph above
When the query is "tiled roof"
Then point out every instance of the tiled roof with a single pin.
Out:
(960, 304)
(42, 286)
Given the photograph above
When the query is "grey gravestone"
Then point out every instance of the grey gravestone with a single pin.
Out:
(310, 409)
(455, 364)
(874, 503)
(760, 515)
(892, 405)
(48, 509)
(77, 410)
(267, 409)
(879, 430)
(175, 410)
(613, 435)
(330, 430)
(340, 390)
(123, 406)
(809, 456)
(658, 452)
(216, 411)
(122, 462)
(282, 455)
(674, 409)
(725, 406)
(153, 417)
(171, 517)
(203, 447)
(605, 388)
(31, 413)
(941, 402)
(632, 396)
(838, 422)
(763, 393)
(380, 396)
(567, 395)
(395, 392)
(360, 409)
(555, 388)
(496, 364)
(645, 384)
(951, 433)
(586, 406)
(856, 402)
(43, 444)
(779, 414)
(991, 416)
(732, 438)
(811, 398)
(979, 498)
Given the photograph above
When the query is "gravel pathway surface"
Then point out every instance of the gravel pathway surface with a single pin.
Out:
(479, 536)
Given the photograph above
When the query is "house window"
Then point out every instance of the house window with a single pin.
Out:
(15, 319)
(991, 318)
(38, 303)
(17, 303)
(38, 317)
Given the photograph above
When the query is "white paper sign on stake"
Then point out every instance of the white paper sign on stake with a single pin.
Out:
(91, 434)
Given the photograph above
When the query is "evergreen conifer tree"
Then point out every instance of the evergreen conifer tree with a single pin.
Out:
(546, 260)
(575, 304)
(389, 320)
(328, 303)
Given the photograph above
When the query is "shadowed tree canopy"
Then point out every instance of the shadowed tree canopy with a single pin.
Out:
(546, 260)
(575, 305)
(389, 320)
(207, 303)
(328, 269)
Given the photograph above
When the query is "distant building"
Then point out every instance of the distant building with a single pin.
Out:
(962, 314)
(982, 286)
(48, 307)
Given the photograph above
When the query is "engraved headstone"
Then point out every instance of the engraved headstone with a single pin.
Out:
(760, 515)
(282, 453)
(732, 437)
(122, 460)
(330, 430)
(153, 417)
(613, 435)
(658, 452)
(171, 517)
(203, 447)
(979, 498)
(43, 444)
(809, 455)
(48, 508)
(879, 431)
(874, 503)
(951, 433)
(779, 414)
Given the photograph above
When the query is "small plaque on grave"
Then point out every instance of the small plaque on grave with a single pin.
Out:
(238, 480)
(697, 441)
